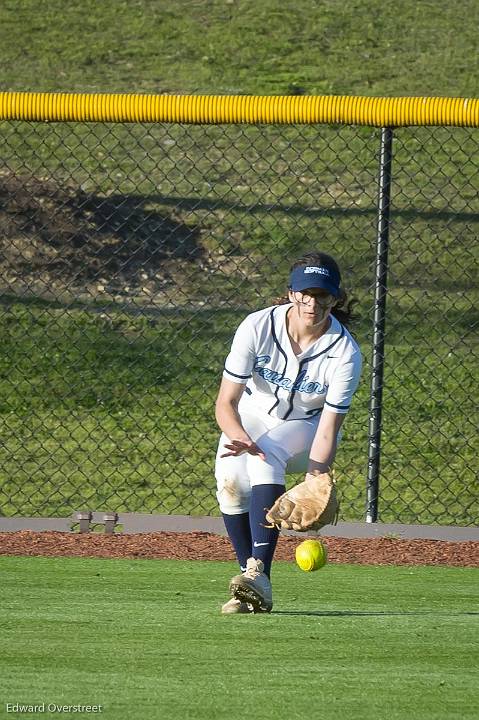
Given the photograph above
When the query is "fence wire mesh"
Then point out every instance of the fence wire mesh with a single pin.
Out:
(129, 255)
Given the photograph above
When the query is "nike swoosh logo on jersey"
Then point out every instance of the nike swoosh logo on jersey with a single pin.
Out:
(257, 544)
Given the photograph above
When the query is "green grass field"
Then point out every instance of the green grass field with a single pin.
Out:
(108, 402)
(145, 639)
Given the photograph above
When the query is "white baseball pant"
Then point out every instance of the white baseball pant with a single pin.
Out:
(286, 444)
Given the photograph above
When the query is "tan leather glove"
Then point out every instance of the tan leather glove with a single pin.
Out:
(308, 506)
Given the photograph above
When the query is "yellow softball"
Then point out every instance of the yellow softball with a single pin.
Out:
(311, 555)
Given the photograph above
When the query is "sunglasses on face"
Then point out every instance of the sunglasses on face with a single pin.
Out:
(305, 298)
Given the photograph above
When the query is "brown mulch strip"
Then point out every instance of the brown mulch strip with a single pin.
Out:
(206, 546)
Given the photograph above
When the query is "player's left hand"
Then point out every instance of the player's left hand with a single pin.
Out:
(238, 447)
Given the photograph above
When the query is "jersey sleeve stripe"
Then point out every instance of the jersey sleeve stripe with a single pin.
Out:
(241, 377)
(338, 407)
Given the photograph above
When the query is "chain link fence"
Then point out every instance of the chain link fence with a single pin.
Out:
(131, 252)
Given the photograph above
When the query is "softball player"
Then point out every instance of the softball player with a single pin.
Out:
(287, 385)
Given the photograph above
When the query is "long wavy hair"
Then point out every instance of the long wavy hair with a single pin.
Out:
(342, 311)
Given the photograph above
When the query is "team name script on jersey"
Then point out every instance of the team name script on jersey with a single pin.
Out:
(301, 384)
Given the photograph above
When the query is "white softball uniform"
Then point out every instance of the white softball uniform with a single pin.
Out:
(283, 399)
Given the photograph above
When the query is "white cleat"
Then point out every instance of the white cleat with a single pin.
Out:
(235, 607)
(253, 587)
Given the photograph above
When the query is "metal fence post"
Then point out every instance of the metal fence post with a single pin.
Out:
(379, 323)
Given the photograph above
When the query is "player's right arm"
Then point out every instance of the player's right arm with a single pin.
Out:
(237, 371)
(229, 420)
(227, 415)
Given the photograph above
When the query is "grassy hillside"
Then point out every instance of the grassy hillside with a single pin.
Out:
(130, 253)
(379, 47)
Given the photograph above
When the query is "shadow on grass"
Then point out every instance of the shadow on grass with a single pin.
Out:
(401, 323)
(96, 305)
(72, 234)
(371, 613)
(195, 203)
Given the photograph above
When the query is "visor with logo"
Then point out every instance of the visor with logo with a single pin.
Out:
(313, 276)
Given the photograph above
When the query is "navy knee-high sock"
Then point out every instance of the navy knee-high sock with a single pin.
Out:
(239, 532)
(264, 538)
